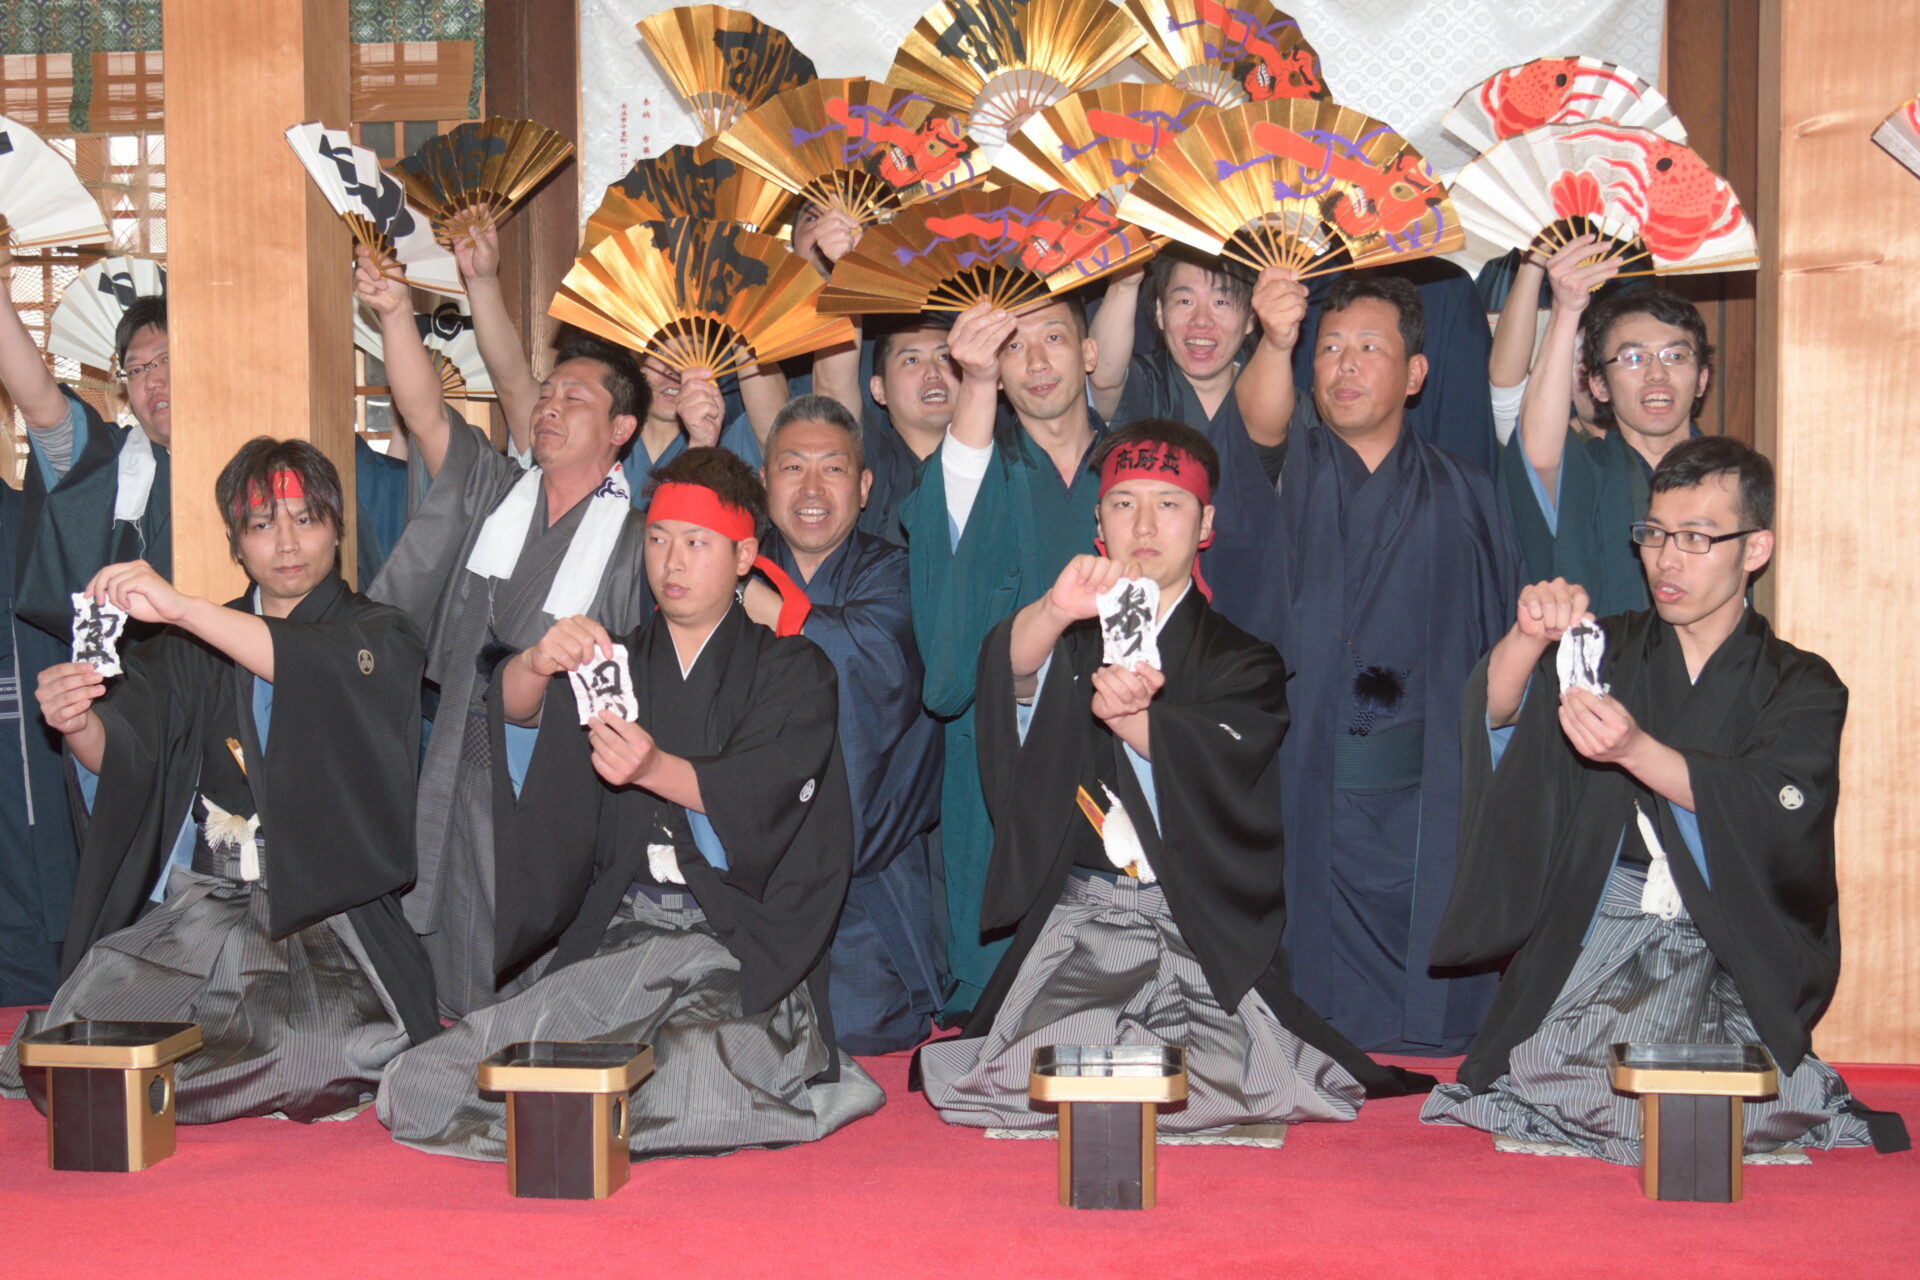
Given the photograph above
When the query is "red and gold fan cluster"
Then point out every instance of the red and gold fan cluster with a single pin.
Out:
(986, 166)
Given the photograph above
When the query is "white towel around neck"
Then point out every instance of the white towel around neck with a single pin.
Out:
(137, 467)
(504, 536)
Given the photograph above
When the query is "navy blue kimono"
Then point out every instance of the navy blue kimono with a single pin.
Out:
(1381, 591)
(887, 967)
(36, 829)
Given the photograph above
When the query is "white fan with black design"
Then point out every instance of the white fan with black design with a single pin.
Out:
(374, 206)
(42, 200)
(84, 324)
(447, 331)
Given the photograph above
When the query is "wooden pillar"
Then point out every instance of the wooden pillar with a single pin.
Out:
(258, 265)
(1839, 306)
(533, 73)
(1712, 79)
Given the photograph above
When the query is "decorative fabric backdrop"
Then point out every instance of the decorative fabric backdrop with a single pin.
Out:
(81, 28)
(1403, 61)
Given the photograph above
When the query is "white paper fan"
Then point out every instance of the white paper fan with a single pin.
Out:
(374, 206)
(1657, 198)
(84, 324)
(1899, 135)
(1558, 91)
(447, 331)
(42, 200)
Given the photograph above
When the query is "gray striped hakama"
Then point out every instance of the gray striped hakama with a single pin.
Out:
(1639, 979)
(1110, 967)
(300, 1027)
(722, 1079)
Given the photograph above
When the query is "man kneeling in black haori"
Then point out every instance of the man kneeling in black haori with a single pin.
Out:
(256, 765)
(1648, 843)
(686, 868)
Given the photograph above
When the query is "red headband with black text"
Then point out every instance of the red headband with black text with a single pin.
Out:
(1158, 461)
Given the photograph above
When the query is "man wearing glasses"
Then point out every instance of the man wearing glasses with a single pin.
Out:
(95, 494)
(1652, 857)
(1647, 367)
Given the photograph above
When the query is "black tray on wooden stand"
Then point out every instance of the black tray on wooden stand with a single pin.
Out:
(1691, 1124)
(566, 1114)
(1109, 1098)
(110, 1091)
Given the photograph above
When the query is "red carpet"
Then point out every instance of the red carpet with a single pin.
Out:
(902, 1195)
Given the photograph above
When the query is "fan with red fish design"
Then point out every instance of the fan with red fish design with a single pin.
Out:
(1899, 135)
(1303, 185)
(1558, 91)
(1096, 142)
(1230, 52)
(858, 146)
(1654, 199)
(1010, 246)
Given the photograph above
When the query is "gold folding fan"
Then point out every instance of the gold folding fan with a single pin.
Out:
(1899, 135)
(1652, 198)
(1000, 61)
(687, 182)
(1096, 142)
(699, 295)
(1011, 247)
(468, 177)
(1231, 53)
(1308, 186)
(723, 61)
(859, 146)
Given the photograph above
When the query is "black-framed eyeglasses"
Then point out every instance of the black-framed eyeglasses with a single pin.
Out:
(135, 372)
(1691, 541)
(1672, 357)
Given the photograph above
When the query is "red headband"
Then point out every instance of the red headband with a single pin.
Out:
(1167, 463)
(1155, 460)
(282, 486)
(698, 505)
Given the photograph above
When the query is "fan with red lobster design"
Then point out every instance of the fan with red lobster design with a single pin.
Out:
(1654, 198)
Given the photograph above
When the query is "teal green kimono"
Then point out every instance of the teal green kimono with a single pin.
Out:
(1580, 533)
(1024, 527)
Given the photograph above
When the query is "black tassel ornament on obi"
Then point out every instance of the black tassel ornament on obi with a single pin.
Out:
(1377, 691)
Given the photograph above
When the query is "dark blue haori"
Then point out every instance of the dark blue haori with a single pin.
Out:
(1381, 591)
(1025, 525)
(67, 532)
(887, 968)
(1455, 408)
(36, 830)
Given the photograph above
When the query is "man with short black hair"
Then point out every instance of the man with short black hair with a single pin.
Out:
(1203, 312)
(1648, 365)
(887, 966)
(911, 391)
(1648, 854)
(988, 528)
(687, 868)
(1381, 570)
(492, 556)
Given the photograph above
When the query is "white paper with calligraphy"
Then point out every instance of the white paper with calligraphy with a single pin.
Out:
(1127, 613)
(97, 627)
(605, 685)
(1581, 649)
